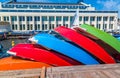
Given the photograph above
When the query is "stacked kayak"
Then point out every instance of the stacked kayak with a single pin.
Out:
(85, 43)
(15, 63)
(107, 38)
(63, 46)
(109, 49)
(56, 42)
(38, 53)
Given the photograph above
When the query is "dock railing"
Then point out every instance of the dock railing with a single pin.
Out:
(86, 71)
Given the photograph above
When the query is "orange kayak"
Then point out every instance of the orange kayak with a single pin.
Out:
(14, 63)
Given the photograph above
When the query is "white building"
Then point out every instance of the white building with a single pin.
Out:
(27, 16)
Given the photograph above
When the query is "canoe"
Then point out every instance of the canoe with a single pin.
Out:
(56, 42)
(107, 38)
(15, 63)
(84, 42)
(38, 53)
(110, 50)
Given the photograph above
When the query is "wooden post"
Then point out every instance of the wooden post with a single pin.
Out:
(43, 72)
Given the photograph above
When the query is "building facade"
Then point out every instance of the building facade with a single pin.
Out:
(29, 16)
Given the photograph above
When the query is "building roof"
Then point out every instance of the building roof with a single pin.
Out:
(47, 1)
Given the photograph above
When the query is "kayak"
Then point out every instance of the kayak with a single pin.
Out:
(15, 63)
(57, 43)
(107, 38)
(38, 53)
(84, 42)
(110, 50)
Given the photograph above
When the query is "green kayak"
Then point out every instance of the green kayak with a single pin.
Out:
(107, 38)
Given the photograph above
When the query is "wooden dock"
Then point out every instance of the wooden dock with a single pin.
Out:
(88, 71)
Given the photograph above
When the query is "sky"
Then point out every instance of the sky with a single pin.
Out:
(106, 5)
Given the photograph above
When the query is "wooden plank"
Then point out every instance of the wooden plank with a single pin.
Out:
(89, 71)
(43, 72)
(84, 68)
(20, 73)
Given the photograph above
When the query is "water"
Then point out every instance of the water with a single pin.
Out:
(7, 44)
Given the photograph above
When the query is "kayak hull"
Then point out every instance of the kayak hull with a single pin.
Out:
(64, 48)
(13, 63)
(84, 42)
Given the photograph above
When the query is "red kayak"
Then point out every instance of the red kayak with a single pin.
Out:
(87, 44)
(38, 53)
(114, 53)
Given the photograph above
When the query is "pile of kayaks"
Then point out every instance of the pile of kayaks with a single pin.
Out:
(84, 45)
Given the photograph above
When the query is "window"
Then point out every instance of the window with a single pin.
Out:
(29, 18)
(20, 26)
(58, 7)
(92, 18)
(23, 26)
(37, 18)
(50, 26)
(42, 26)
(111, 18)
(16, 27)
(58, 18)
(111, 26)
(37, 26)
(31, 27)
(80, 18)
(21, 18)
(51, 18)
(53, 26)
(13, 18)
(98, 26)
(64, 7)
(6, 18)
(34, 6)
(65, 18)
(44, 18)
(86, 18)
(45, 26)
(13, 28)
(99, 18)
(104, 26)
(105, 18)
(28, 27)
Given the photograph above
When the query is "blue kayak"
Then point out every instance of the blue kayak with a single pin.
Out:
(57, 43)
(118, 38)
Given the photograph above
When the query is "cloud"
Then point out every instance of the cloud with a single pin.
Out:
(110, 4)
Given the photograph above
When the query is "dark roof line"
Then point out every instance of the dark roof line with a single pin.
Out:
(41, 3)
(15, 1)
